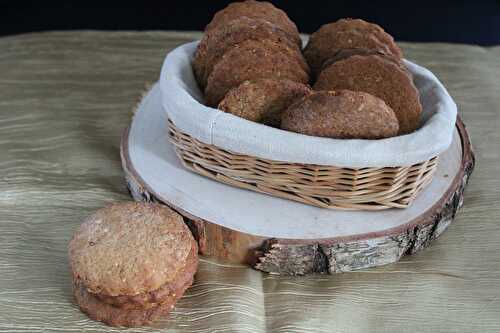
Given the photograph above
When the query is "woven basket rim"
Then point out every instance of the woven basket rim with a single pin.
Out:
(214, 127)
(321, 186)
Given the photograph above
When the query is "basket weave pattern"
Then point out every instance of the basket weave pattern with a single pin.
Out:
(322, 186)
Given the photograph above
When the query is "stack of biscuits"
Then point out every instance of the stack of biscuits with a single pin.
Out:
(250, 63)
(131, 262)
(362, 89)
(356, 55)
(255, 48)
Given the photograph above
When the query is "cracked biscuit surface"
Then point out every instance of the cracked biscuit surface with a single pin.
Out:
(217, 41)
(252, 60)
(347, 34)
(255, 9)
(131, 262)
(263, 100)
(341, 114)
(381, 76)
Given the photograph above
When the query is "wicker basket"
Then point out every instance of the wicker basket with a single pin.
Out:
(329, 173)
(322, 186)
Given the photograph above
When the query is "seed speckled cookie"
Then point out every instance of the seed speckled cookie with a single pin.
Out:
(346, 34)
(379, 75)
(251, 60)
(116, 316)
(130, 262)
(341, 114)
(167, 292)
(254, 9)
(263, 100)
(217, 41)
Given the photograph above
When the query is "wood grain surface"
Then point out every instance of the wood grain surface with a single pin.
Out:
(250, 227)
(65, 99)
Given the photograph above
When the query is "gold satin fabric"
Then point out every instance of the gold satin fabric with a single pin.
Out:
(65, 98)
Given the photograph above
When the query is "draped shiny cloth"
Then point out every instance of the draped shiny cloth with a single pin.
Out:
(65, 98)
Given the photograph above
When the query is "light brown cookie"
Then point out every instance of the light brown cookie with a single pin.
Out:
(116, 316)
(217, 41)
(251, 60)
(263, 100)
(255, 9)
(379, 75)
(346, 34)
(130, 249)
(166, 293)
(341, 114)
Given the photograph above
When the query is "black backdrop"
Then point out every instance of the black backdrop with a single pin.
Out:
(476, 22)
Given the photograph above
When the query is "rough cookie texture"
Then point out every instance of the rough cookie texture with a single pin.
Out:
(346, 34)
(115, 316)
(217, 41)
(381, 76)
(346, 53)
(341, 114)
(254, 9)
(130, 249)
(251, 60)
(263, 100)
(166, 292)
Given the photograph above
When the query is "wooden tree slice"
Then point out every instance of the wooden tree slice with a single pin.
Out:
(280, 236)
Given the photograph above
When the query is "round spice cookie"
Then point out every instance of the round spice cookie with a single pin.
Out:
(136, 310)
(167, 292)
(133, 257)
(346, 53)
(251, 60)
(255, 9)
(344, 34)
(341, 114)
(115, 316)
(379, 75)
(130, 248)
(367, 27)
(263, 100)
(217, 41)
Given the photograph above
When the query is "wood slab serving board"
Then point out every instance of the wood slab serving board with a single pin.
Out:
(280, 236)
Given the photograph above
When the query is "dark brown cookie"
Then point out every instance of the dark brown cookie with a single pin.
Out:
(344, 34)
(263, 100)
(367, 27)
(381, 76)
(251, 60)
(216, 42)
(346, 53)
(130, 249)
(341, 114)
(255, 9)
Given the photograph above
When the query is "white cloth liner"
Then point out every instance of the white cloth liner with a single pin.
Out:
(183, 102)
(157, 166)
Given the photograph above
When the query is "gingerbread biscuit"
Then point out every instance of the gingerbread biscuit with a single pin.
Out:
(344, 34)
(263, 100)
(341, 114)
(216, 42)
(251, 60)
(379, 75)
(255, 9)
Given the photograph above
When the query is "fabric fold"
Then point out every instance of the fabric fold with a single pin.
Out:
(183, 102)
